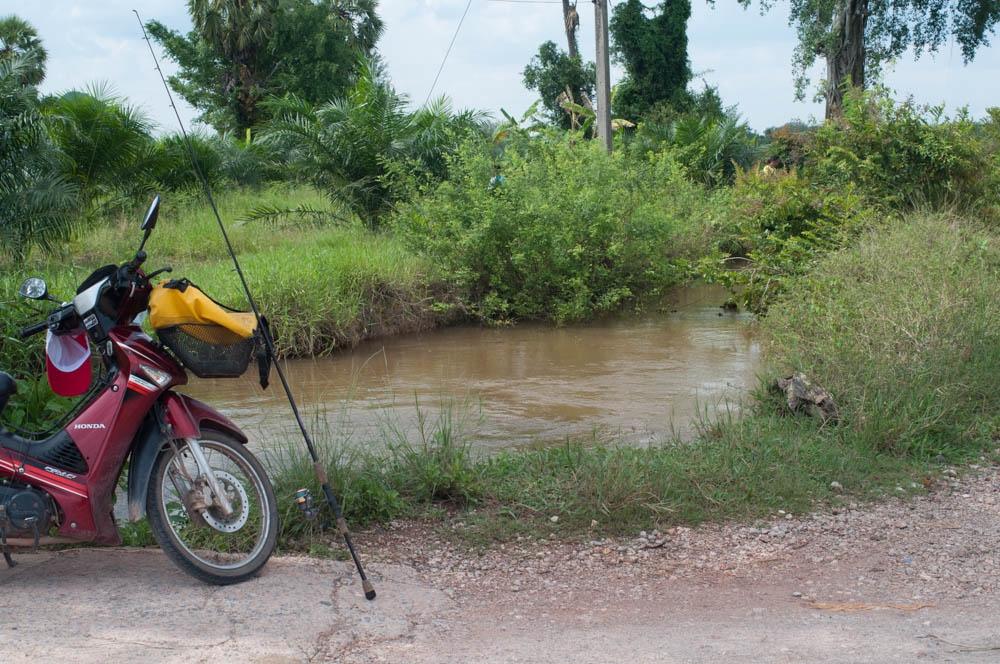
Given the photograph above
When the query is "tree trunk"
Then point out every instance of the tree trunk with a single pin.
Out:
(845, 59)
(571, 21)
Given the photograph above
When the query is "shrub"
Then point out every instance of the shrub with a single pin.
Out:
(712, 148)
(555, 228)
(904, 331)
(169, 164)
(780, 225)
(103, 142)
(903, 155)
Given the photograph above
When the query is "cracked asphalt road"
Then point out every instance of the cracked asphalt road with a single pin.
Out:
(905, 581)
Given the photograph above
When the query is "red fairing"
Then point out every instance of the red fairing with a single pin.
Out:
(104, 432)
(187, 417)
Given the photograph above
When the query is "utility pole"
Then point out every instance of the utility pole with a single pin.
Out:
(603, 75)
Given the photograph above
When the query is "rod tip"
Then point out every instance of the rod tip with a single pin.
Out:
(369, 589)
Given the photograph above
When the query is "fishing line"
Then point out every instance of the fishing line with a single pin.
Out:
(265, 332)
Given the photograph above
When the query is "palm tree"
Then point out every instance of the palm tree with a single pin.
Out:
(345, 146)
(36, 201)
(19, 39)
(103, 139)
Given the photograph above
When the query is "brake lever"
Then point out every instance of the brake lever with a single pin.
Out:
(159, 272)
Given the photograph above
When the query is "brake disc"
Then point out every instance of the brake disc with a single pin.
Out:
(239, 501)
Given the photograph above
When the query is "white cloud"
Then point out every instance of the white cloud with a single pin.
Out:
(748, 55)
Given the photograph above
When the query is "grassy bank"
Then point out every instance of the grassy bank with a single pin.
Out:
(902, 329)
(324, 285)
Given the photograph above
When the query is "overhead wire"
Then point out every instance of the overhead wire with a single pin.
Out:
(448, 52)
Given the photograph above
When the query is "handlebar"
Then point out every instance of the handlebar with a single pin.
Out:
(32, 330)
(53, 322)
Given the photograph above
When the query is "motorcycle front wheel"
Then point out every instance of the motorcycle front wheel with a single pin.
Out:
(197, 536)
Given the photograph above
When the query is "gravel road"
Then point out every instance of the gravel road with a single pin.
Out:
(905, 580)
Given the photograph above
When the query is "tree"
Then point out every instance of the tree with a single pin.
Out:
(857, 37)
(242, 51)
(653, 50)
(104, 142)
(346, 146)
(19, 39)
(36, 203)
(558, 78)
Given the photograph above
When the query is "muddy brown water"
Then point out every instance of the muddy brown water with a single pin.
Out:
(638, 379)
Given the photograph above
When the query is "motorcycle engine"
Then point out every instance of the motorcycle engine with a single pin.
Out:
(24, 511)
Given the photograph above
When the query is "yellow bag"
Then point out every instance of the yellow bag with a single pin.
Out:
(179, 304)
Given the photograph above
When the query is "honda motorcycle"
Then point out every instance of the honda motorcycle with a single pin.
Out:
(208, 500)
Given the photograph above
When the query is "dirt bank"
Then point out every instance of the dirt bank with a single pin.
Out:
(901, 581)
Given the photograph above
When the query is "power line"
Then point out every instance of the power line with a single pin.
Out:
(530, 2)
(448, 52)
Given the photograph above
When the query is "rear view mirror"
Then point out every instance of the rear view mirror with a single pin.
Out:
(34, 288)
(149, 222)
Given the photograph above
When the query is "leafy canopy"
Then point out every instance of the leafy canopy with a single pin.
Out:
(19, 39)
(559, 77)
(890, 29)
(653, 50)
(242, 51)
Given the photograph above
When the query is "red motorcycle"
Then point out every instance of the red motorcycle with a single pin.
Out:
(208, 500)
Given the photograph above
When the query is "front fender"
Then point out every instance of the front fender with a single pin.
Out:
(185, 417)
(176, 416)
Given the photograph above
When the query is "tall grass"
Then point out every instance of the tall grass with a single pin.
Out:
(904, 330)
(325, 285)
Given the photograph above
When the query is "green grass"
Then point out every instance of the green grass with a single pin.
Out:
(902, 329)
(322, 286)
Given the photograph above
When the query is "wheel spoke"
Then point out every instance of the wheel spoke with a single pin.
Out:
(214, 539)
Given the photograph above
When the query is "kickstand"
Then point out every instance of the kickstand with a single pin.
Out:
(6, 556)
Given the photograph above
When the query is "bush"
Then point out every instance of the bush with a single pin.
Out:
(904, 156)
(103, 141)
(37, 203)
(169, 164)
(780, 225)
(557, 229)
(712, 148)
(904, 331)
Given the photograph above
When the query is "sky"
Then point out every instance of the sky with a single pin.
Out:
(746, 55)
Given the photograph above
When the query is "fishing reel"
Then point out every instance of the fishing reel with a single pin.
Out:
(304, 500)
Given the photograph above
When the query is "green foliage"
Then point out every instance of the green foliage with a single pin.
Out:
(241, 52)
(346, 147)
(712, 148)
(778, 226)
(169, 164)
(102, 141)
(245, 162)
(653, 51)
(37, 203)
(903, 329)
(566, 232)
(559, 78)
(903, 155)
(19, 41)
(890, 29)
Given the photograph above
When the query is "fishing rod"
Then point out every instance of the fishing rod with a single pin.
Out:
(268, 340)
